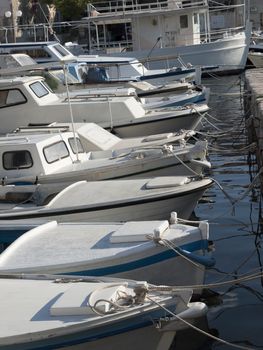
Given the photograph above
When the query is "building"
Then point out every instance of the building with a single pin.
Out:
(256, 14)
(10, 14)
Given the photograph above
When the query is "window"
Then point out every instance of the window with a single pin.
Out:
(11, 97)
(39, 89)
(196, 18)
(72, 143)
(55, 152)
(17, 160)
(34, 53)
(184, 21)
(61, 50)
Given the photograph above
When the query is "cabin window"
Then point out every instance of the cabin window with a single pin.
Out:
(17, 160)
(184, 21)
(61, 50)
(32, 52)
(11, 97)
(55, 152)
(72, 143)
(39, 89)
(47, 86)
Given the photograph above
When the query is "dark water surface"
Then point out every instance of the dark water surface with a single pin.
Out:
(236, 313)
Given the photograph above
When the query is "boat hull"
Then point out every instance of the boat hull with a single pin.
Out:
(226, 55)
(150, 126)
(154, 208)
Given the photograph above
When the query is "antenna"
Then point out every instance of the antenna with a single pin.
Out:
(64, 65)
(157, 40)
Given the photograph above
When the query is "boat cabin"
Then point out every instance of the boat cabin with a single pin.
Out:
(38, 154)
(140, 26)
(41, 52)
(15, 60)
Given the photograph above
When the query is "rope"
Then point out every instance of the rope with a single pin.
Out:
(233, 201)
(183, 163)
(171, 245)
(122, 296)
(198, 329)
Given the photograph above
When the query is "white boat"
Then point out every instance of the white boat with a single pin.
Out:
(202, 33)
(59, 154)
(151, 96)
(110, 200)
(30, 100)
(170, 254)
(51, 312)
(96, 68)
(256, 58)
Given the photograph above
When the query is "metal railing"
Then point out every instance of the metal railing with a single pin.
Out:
(132, 6)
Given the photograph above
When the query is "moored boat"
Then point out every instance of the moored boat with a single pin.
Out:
(164, 252)
(68, 312)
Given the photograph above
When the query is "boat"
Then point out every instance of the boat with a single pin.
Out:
(85, 151)
(51, 312)
(99, 68)
(256, 58)
(109, 200)
(163, 252)
(96, 68)
(202, 33)
(30, 100)
(163, 94)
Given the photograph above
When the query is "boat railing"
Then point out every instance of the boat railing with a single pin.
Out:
(132, 6)
(100, 96)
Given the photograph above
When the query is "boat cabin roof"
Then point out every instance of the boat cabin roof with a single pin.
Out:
(45, 51)
(36, 154)
(9, 81)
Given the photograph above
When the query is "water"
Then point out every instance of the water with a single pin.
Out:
(236, 313)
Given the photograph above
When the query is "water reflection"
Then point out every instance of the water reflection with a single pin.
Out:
(235, 224)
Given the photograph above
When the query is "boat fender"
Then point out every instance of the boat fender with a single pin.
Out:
(205, 261)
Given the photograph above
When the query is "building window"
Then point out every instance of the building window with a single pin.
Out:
(184, 21)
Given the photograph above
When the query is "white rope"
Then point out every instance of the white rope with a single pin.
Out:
(232, 200)
(198, 329)
(183, 163)
(251, 147)
(171, 245)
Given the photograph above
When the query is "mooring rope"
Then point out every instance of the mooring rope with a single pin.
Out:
(196, 328)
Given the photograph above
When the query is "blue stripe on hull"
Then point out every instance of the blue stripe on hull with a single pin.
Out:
(136, 264)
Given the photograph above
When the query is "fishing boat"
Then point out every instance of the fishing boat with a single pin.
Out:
(30, 100)
(163, 252)
(109, 200)
(41, 312)
(202, 33)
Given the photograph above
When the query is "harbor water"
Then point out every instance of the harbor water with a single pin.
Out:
(233, 209)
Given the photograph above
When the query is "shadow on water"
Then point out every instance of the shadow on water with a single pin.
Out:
(236, 313)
